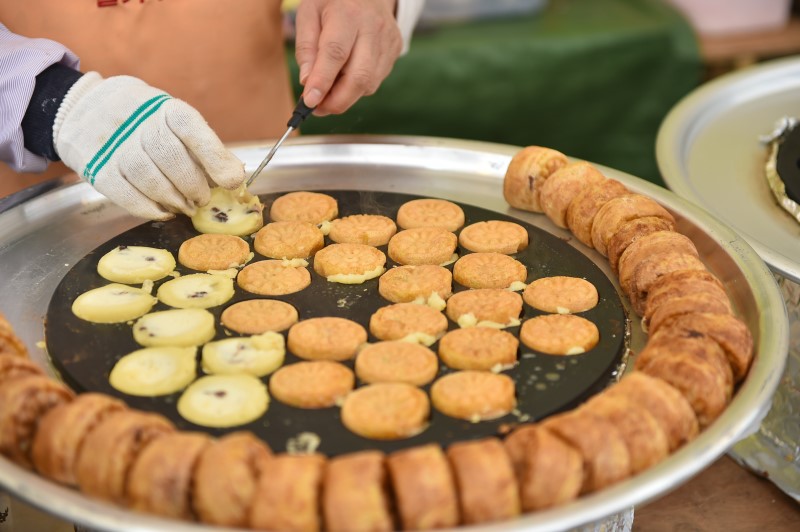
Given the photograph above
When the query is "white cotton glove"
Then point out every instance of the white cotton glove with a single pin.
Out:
(147, 152)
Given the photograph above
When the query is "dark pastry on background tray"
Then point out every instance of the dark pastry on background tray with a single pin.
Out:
(349, 263)
(479, 348)
(289, 240)
(23, 401)
(619, 210)
(396, 361)
(408, 322)
(310, 207)
(386, 411)
(10, 344)
(679, 284)
(487, 488)
(424, 501)
(326, 338)
(494, 236)
(61, 433)
(728, 331)
(288, 494)
(485, 307)
(110, 449)
(315, 384)
(490, 270)
(549, 471)
(694, 365)
(559, 334)
(423, 245)
(560, 294)
(630, 232)
(13, 366)
(273, 278)
(226, 478)
(474, 395)
(430, 212)
(645, 439)
(369, 229)
(214, 252)
(605, 456)
(355, 493)
(665, 403)
(584, 206)
(160, 480)
(527, 172)
(563, 186)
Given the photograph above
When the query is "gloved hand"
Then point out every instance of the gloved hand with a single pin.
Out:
(146, 151)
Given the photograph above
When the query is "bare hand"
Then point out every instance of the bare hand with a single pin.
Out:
(345, 49)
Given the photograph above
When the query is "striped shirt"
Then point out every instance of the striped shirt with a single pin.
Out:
(21, 60)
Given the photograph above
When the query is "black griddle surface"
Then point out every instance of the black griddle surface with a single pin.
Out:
(84, 353)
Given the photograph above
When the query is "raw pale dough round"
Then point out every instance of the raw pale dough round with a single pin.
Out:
(112, 303)
(230, 212)
(176, 328)
(198, 290)
(257, 355)
(154, 371)
(135, 264)
(224, 400)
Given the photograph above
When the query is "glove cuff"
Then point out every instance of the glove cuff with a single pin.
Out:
(81, 87)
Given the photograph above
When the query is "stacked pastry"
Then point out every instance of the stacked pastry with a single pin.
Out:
(697, 352)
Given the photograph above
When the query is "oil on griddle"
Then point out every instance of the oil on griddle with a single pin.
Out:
(84, 352)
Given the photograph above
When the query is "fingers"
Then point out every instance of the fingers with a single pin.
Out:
(202, 143)
(357, 46)
(138, 170)
(113, 186)
(308, 29)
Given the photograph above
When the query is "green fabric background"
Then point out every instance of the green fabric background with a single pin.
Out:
(592, 78)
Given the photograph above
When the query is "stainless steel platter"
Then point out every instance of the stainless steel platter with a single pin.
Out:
(709, 152)
(41, 237)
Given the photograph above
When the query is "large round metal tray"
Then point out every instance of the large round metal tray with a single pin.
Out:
(43, 236)
(709, 152)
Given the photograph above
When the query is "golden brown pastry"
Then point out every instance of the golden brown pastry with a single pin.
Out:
(648, 246)
(287, 497)
(226, 477)
(563, 186)
(696, 366)
(23, 401)
(643, 436)
(111, 447)
(688, 304)
(354, 493)
(485, 480)
(424, 488)
(653, 267)
(729, 332)
(160, 480)
(13, 366)
(10, 344)
(527, 172)
(670, 409)
(549, 470)
(61, 433)
(619, 210)
(630, 232)
(583, 208)
(605, 456)
(683, 283)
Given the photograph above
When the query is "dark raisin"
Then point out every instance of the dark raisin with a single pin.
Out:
(214, 209)
(201, 293)
(221, 216)
(150, 259)
(122, 247)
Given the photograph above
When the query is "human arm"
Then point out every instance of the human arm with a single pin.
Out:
(146, 151)
(346, 48)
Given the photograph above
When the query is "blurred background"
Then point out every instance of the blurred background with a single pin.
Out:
(591, 78)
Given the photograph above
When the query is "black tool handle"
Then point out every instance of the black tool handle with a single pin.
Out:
(300, 113)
